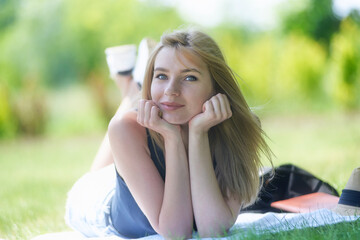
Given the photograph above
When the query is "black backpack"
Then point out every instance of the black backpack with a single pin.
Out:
(287, 181)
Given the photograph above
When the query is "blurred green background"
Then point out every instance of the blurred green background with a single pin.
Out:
(301, 76)
(310, 60)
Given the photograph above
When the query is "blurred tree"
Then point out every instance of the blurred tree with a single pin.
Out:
(102, 24)
(7, 13)
(316, 20)
(64, 41)
(344, 66)
(299, 69)
(7, 125)
(61, 42)
(354, 15)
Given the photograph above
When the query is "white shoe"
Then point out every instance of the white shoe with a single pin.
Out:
(121, 59)
(146, 46)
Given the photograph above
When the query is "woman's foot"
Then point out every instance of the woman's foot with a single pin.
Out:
(146, 47)
(127, 74)
(121, 59)
(121, 62)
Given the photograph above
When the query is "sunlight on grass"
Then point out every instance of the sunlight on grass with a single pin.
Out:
(325, 145)
(38, 173)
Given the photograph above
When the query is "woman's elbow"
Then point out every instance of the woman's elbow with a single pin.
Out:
(216, 229)
(175, 230)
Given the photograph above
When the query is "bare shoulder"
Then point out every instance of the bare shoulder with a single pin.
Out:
(126, 126)
(128, 142)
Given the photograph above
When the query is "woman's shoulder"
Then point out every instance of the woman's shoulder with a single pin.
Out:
(126, 125)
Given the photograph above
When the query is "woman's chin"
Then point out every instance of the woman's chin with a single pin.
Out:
(175, 121)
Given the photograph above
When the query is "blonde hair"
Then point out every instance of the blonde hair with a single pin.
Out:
(237, 143)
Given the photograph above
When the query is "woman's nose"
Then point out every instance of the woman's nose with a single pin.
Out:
(172, 88)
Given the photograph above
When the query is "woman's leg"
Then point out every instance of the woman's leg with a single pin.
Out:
(129, 91)
(128, 82)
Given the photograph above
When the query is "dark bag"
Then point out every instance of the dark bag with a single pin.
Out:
(288, 181)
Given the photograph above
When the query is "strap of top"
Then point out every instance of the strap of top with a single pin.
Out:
(157, 154)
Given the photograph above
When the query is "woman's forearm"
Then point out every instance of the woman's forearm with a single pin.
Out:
(176, 215)
(212, 214)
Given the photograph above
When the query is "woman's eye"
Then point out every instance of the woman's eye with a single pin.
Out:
(161, 76)
(191, 78)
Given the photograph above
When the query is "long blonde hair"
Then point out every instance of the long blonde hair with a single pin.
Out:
(237, 143)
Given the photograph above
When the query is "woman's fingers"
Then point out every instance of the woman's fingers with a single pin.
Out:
(208, 106)
(154, 113)
(149, 116)
(225, 106)
(147, 112)
(228, 107)
(215, 110)
(221, 107)
(217, 107)
(140, 113)
(144, 116)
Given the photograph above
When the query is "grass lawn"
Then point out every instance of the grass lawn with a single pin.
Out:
(36, 173)
(35, 176)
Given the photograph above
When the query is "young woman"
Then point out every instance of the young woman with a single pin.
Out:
(188, 156)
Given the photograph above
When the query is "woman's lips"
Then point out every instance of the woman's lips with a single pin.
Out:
(170, 106)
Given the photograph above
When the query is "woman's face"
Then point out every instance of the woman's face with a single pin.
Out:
(181, 84)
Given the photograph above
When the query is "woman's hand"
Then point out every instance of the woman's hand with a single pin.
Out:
(215, 110)
(149, 116)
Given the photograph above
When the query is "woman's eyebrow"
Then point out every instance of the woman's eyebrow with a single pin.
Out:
(161, 69)
(191, 70)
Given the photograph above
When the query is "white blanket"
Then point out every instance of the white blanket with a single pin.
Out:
(254, 222)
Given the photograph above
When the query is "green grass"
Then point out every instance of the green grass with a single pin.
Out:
(349, 230)
(36, 173)
(327, 144)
